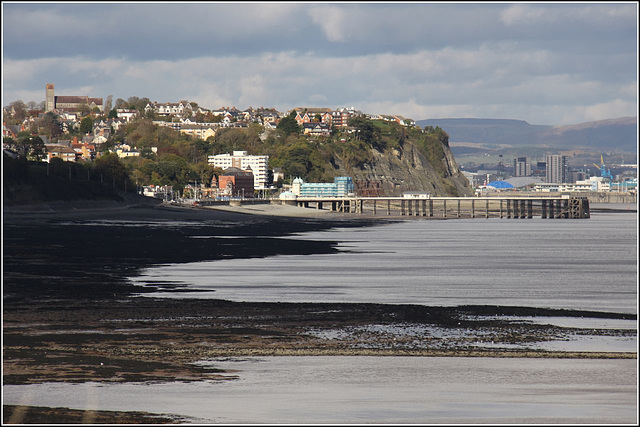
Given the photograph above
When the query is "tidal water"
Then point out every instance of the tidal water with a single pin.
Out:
(572, 264)
(312, 390)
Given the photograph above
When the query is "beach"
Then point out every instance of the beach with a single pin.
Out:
(71, 314)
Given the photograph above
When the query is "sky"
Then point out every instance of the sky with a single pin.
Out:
(546, 63)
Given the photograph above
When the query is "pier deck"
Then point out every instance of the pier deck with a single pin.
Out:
(454, 207)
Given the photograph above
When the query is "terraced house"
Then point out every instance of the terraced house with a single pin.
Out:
(170, 108)
(337, 118)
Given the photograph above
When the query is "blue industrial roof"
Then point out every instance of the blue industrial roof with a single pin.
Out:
(500, 184)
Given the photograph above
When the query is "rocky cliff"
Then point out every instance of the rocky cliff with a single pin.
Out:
(414, 162)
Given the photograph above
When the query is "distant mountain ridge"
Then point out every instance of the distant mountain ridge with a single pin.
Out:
(618, 134)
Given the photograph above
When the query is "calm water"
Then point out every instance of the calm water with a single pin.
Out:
(575, 264)
(374, 390)
(582, 264)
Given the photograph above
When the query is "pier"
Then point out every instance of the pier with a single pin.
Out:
(510, 207)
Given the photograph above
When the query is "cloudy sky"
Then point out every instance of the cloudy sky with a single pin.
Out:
(546, 63)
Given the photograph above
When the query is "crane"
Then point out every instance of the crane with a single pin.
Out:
(604, 172)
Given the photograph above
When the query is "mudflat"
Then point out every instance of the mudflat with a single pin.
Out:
(71, 315)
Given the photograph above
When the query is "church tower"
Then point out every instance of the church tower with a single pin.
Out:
(49, 98)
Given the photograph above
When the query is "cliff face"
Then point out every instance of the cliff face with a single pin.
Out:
(407, 169)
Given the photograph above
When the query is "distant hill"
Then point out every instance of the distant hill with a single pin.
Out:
(605, 135)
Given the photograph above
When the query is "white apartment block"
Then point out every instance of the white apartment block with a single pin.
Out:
(239, 159)
(595, 183)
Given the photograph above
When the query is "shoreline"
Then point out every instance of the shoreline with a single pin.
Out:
(70, 314)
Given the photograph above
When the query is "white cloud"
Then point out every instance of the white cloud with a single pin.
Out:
(501, 80)
(614, 108)
(567, 14)
(522, 13)
(331, 20)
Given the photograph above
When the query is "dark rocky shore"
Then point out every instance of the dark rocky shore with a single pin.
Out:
(71, 315)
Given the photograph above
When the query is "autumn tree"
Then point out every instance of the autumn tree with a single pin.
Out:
(20, 110)
(49, 125)
(120, 103)
(108, 103)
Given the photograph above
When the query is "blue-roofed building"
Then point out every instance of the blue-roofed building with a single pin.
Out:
(500, 185)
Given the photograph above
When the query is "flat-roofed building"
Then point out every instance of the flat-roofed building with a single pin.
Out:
(521, 167)
(63, 152)
(258, 165)
(340, 187)
(556, 168)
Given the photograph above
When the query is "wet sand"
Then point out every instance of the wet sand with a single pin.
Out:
(70, 314)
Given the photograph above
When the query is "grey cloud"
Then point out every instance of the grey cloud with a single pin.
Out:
(178, 31)
(414, 59)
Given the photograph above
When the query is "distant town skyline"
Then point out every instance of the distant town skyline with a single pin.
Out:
(545, 63)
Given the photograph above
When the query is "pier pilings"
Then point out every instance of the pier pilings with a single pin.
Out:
(566, 207)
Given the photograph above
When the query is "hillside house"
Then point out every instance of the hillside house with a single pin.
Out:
(170, 108)
(63, 152)
(126, 114)
(198, 130)
(316, 129)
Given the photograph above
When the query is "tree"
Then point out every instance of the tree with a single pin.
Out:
(84, 109)
(107, 105)
(110, 166)
(366, 131)
(20, 110)
(133, 101)
(113, 114)
(120, 103)
(147, 153)
(137, 103)
(32, 105)
(86, 125)
(50, 125)
(230, 139)
(204, 171)
(30, 147)
(288, 125)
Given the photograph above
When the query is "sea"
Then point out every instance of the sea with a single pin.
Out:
(587, 264)
(584, 264)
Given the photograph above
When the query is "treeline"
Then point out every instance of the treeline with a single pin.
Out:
(33, 181)
(181, 159)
